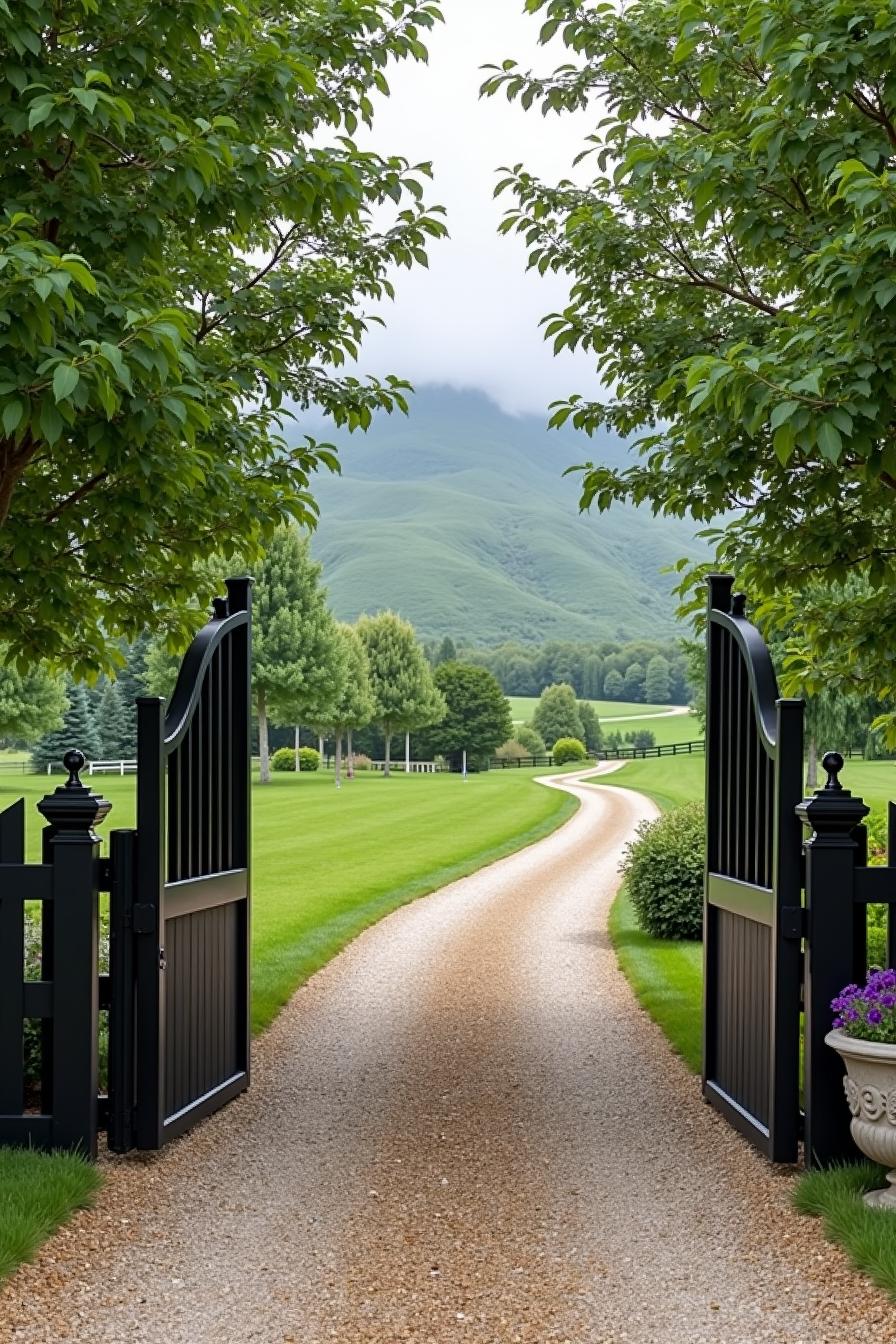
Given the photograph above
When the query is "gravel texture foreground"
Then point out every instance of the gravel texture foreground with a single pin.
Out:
(462, 1129)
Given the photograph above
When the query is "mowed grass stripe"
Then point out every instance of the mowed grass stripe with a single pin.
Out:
(329, 862)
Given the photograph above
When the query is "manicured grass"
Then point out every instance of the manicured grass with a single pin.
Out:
(867, 1235)
(664, 727)
(329, 862)
(669, 780)
(522, 707)
(38, 1192)
(667, 978)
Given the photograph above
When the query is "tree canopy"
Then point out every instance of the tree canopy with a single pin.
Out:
(32, 702)
(190, 242)
(401, 682)
(729, 239)
(557, 714)
(477, 715)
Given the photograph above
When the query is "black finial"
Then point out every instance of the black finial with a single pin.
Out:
(74, 762)
(832, 763)
(739, 604)
(219, 608)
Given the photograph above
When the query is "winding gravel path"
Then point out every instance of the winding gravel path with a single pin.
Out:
(462, 1129)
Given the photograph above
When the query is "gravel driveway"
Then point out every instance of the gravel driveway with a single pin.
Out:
(462, 1129)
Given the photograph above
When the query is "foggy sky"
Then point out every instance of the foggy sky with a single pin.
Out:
(471, 320)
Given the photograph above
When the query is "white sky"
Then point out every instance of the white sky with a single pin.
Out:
(471, 320)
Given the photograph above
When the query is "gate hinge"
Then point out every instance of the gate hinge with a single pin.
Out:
(144, 916)
(793, 923)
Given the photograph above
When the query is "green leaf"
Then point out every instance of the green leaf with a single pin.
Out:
(51, 423)
(783, 412)
(65, 380)
(829, 441)
(13, 412)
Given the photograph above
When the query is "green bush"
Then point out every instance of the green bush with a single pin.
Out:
(360, 761)
(512, 751)
(664, 871)
(569, 749)
(530, 738)
(285, 759)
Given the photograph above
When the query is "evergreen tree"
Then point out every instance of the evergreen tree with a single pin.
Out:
(593, 738)
(557, 714)
(78, 731)
(633, 685)
(613, 685)
(656, 681)
(132, 682)
(31, 702)
(293, 648)
(477, 715)
(447, 653)
(401, 682)
(113, 726)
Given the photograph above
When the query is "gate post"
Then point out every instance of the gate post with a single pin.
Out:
(833, 851)
(73, 849)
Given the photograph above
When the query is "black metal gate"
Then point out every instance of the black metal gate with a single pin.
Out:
(191, 910)
(753, 916)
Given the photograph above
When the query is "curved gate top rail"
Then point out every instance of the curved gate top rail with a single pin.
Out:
(752, 950)
(191, 915)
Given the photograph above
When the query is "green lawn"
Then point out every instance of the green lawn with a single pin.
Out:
(665, 728)
(522, 707)
(327, 863)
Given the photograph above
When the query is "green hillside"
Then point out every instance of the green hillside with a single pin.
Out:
(459, 517)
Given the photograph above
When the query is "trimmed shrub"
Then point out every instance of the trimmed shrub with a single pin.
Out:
(569, 749)
(664, 871)
(285, 759)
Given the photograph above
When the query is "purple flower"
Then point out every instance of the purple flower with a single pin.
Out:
(851, 1015)
(838, 1023)
(869, 993)
(875, 1015)
(887, 1000)
(849, 992)
(888, 979)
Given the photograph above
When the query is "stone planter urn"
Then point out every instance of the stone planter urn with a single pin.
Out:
(870, 1086)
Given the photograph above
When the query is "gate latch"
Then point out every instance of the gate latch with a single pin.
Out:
(163, 960)
(793, 921)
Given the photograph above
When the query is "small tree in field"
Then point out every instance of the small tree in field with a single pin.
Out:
(352, 704)
(530, 739)
(557, 714)
(477, 715)
(401, 681)
(593, 738)
(293, 647)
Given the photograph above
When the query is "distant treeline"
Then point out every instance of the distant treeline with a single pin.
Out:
(646, 671)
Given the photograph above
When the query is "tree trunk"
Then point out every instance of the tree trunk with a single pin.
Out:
(407, 753)
(263, 748)
(320, 748)
(812, 766)
(351, 756)
(388, 753)
(337, 765)
(297, 745)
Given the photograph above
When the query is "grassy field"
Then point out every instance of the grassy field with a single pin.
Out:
(522, 707)
(326, 864)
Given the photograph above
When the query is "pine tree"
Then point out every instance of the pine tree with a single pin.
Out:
(593, 738)
(78, 731)
(131, 683)
(447, 653)
(404, 693)
(293, 646)
(113, 726)
(656, 681)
